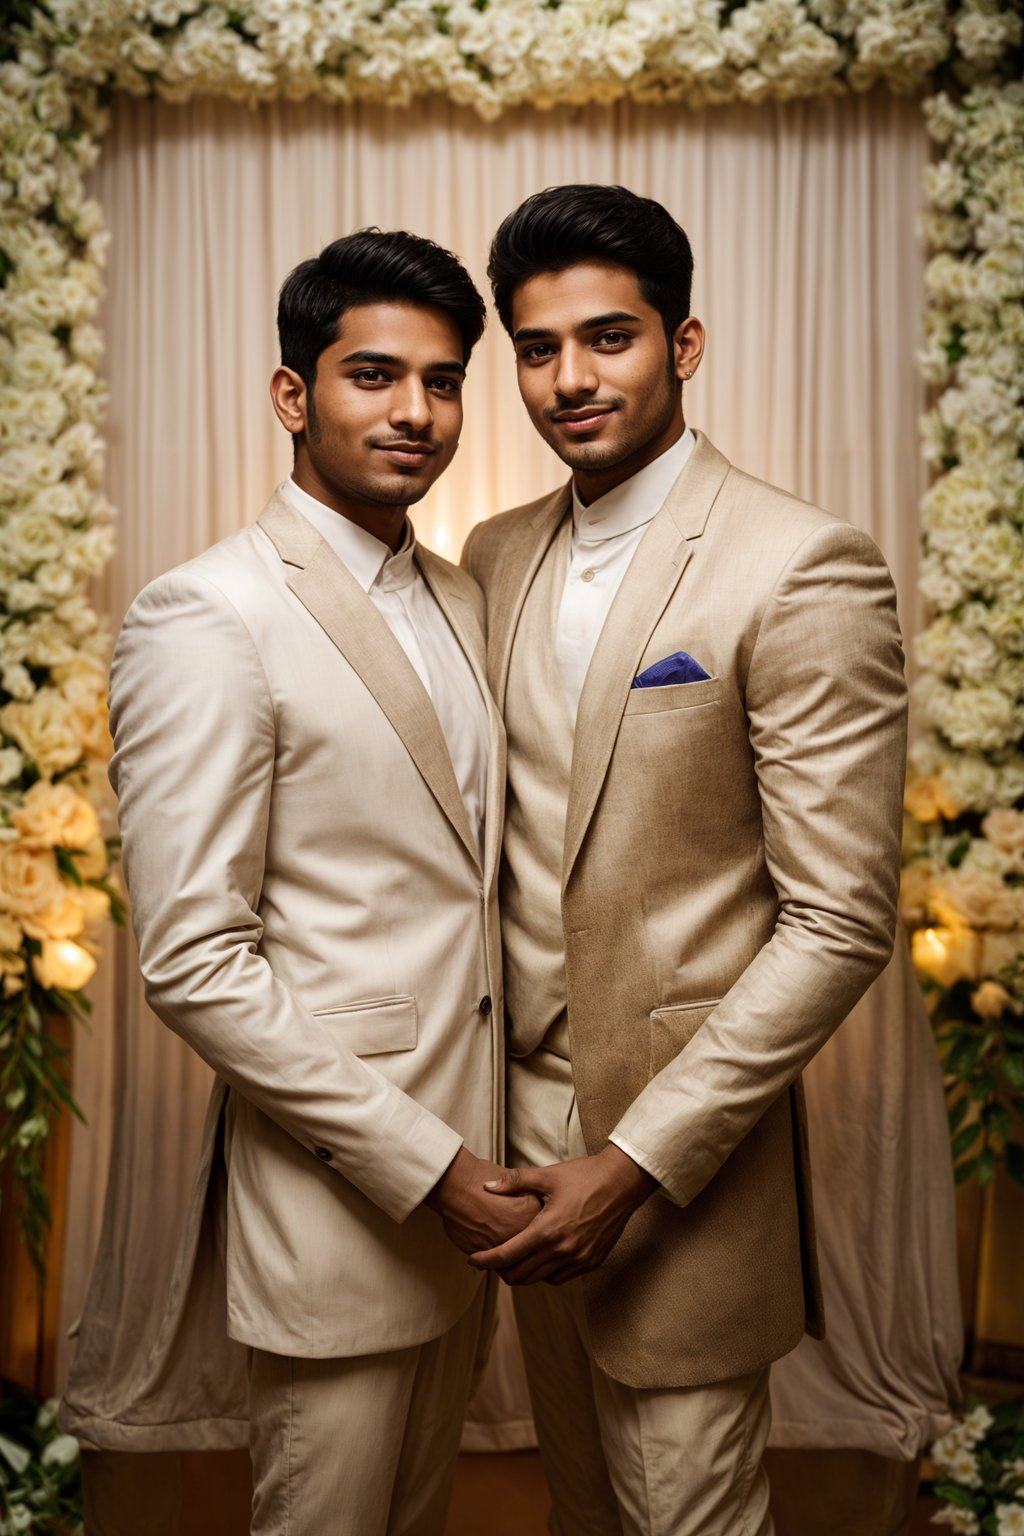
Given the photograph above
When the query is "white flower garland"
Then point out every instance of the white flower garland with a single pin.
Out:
(963, 884)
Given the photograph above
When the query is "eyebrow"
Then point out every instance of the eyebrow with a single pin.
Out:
(613, 317)
(366, 355)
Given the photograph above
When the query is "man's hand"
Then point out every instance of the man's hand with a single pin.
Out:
(473, 1217)
(587, 1203)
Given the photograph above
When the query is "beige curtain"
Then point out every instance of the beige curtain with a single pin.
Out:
(809, 279)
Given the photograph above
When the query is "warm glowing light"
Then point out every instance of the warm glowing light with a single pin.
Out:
(441, 538)
(946, 955)
(63, 963)
(932, 945)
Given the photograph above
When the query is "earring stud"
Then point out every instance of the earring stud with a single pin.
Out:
(687, 373)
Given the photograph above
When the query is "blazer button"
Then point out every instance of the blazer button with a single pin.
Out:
(324, 1154)
(484, 1006)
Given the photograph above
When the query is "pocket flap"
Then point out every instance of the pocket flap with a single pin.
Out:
(675, 1026)
(372, 1027)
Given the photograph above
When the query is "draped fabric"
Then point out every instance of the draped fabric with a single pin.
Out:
(809, 278)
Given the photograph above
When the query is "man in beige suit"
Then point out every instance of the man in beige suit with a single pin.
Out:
(702, 685)
(309, 772)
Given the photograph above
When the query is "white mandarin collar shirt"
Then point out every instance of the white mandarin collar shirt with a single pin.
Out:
(605, 536)
(396, 588)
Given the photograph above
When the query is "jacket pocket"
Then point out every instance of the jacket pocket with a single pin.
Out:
(372, 1027)
(675, 1026)
(651, 701)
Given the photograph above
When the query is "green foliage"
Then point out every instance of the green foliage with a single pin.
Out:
(40, 1483)
(34, 1088)
(979, 1467)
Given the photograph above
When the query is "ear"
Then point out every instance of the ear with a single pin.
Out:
(288, 395)
(688, 348)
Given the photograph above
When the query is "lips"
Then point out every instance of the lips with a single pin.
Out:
(405, 455)
(579, 423)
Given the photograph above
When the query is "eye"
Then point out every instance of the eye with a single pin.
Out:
(612, 338)
(539, 352)
(445, 386)
(373, 377)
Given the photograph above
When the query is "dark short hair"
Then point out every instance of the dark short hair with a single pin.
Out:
(371, 266)
(562, 226)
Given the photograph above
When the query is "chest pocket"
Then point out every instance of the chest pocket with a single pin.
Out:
(654, 701)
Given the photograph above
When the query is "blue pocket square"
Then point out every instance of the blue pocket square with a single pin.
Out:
(678, 668)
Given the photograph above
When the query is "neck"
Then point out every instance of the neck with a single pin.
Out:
(592, 484)
(383, 521)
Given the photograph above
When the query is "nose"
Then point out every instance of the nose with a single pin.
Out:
(410, 406)
(575, 375)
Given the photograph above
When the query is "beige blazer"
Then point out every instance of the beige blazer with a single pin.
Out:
(313, 918)
(728, 891)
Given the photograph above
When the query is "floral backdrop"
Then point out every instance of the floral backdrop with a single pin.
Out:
(964, 880)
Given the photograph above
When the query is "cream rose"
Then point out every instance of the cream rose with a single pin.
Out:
(1005, 828)
(55, 815)
(44, 729)
(991, 1000)
(976, 897)
(29, 879)
(928, 798)
(64, 920)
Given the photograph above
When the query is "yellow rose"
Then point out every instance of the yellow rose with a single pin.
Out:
(65, 919)
(44, 729)
(83, 685)
(991, 1000)
(55, 815)
(29, 881)
(93, 862)
(929, 797)
(10, 934)
(94, 904)
(947, 955)
(63, 964)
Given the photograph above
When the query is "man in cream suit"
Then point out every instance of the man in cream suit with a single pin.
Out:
(309, 772)
(702, 685)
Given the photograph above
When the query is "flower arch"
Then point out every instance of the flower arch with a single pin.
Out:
(60, 61)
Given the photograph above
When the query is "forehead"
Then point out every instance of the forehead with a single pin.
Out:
(564, 301)
(419, 334)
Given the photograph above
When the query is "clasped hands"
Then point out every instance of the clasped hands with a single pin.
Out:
(531, 1224)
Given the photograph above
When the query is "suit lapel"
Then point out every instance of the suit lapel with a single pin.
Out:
(520, 560)
(462, 617)
(339, 605)
(651, 579)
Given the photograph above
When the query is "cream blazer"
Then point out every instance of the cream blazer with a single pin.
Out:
(729, 890)
(313, 918)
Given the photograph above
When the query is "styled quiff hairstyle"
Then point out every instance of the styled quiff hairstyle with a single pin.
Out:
(562, 226)
(370, 267)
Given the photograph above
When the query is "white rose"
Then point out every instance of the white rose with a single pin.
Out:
(1010, 1519)
(17, 682)
(33, 536)
(11, 764)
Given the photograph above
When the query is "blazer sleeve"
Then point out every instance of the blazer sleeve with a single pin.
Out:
(826, 703)
(194, 730)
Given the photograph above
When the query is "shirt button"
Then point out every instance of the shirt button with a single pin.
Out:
(484, 1006)
(588, 575)
(324, 1154)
